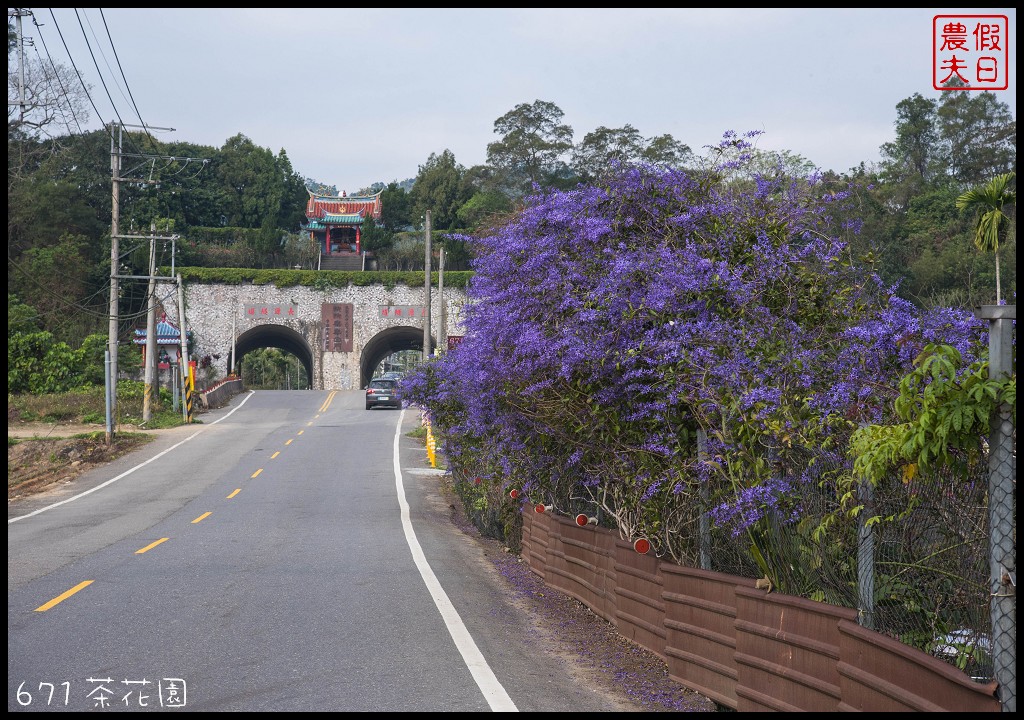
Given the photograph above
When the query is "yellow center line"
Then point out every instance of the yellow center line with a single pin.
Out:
(275, 455)
(151, 546)
(237, 490)
(64, 596)
(202, 517)
(327, 402)
(288, 441)
(309, 423)
(256, 473)
(300, 432)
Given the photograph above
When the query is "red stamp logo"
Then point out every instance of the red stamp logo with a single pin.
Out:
(970, 52)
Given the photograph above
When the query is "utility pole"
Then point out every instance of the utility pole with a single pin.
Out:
(115, 261)
(186, 392)
(18, 14)
(426, 318)
(151, 335)
(116, 156)
(442, 333)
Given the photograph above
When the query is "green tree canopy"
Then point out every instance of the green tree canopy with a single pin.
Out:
(439, 188)
(533, 145)
(606, 149)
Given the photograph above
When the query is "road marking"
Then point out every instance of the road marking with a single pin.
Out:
(237, 490)
(256, 473)
(327, 402)
(492, 690)
(151, 546)
(275, 454)
(126, 473)
(64, 596)
(288, 441)
(202, 517)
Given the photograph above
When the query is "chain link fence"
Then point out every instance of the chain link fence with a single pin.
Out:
(929, 559)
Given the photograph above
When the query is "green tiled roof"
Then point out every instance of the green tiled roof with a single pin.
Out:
(341, 219)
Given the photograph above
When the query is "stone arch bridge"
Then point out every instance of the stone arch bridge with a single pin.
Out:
(340, 335)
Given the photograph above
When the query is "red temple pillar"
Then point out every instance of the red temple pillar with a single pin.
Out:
(358, 246)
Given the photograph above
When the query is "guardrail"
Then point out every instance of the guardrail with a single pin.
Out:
(744, 647)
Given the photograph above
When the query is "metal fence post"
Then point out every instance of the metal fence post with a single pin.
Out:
(1002, 475)
(866, 557)
(705, 497)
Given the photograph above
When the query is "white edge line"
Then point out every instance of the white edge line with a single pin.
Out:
(130, 471)
(492, 690)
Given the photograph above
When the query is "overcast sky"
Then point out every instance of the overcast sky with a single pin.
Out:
(356, 96)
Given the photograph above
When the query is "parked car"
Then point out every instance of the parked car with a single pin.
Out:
(382, 392)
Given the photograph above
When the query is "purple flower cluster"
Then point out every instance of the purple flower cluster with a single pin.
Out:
(609, 323)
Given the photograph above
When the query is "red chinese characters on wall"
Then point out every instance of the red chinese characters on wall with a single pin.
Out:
(403, 311)
(971, 52)
(337, 324)
(266, 311)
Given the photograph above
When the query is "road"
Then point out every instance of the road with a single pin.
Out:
(290, 553)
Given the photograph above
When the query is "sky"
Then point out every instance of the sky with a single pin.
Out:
(358, 96)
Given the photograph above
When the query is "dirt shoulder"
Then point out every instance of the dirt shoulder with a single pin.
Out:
(41, 455)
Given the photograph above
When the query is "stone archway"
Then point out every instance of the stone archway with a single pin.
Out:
(385, 343)
(275, 336)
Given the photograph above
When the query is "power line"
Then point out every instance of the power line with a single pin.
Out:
(128, 89)
(103, 82)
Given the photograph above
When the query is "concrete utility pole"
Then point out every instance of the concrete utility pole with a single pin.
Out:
(116, 156)
(18, 14)
(426, 318)
(442, 333)
(151, 334)
(115, 261)
(186, 409)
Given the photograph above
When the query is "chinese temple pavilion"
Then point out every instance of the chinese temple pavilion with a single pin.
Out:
(334, 222)
(168, 342)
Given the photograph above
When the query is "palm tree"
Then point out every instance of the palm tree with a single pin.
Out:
(989, 201)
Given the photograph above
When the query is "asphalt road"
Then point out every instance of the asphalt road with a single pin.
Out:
(291, 553)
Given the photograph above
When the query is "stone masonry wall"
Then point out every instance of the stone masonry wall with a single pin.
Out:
(213, 312)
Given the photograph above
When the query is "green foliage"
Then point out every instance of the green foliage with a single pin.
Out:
(484, 208)
(606, 150)
(20, 317)
(396, 211)
(375, 238)
(38, 364)
(533, 147)
(273, 369)
(88, 405)
(320, 279)
(439, 189)
(992, 223)
(943, 407)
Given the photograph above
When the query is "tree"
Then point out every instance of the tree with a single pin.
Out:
(978, 134)
(439, 188)
(396, 211)
(605, 150)
(533, 144)
(911, 159)
(54, 102)
(257, 187)
(992, 223)
(484, 208)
